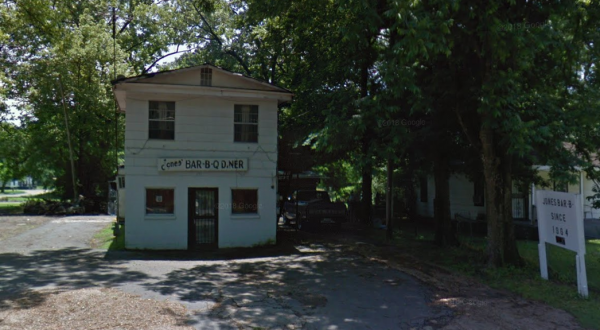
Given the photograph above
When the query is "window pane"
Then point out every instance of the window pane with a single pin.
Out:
(160, 201)
(246, 114)
(245, 133)
(244, 201)
(161, 120)
(205, 77)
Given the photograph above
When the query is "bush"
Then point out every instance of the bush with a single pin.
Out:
(48, 207)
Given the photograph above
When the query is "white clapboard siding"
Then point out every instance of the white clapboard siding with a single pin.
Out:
(204, 128)
(145, 146)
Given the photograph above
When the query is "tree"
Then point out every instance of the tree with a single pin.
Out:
(60, 57)
(12, 154)
(516, 72)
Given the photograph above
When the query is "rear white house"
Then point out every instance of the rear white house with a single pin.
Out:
(200, 158)
(467, 200)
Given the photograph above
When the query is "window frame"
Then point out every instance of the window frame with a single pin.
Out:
(146, 206)
(236, 124)
(244, 211)
(160, 120)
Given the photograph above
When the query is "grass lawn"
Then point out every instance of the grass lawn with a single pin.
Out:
(105, 239)
(559, 291)
(14, 199)
(51, 195)
(10, 208)
(11, 192)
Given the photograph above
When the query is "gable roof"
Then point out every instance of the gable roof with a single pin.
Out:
(142, 77)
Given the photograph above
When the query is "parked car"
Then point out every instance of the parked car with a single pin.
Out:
(313, 208)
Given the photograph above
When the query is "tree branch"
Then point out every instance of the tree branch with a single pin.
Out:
(240, 60)
(210, 29)
(145, 70)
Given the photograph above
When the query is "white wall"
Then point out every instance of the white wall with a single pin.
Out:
(461, 197)
(203, 129)
(425, 209)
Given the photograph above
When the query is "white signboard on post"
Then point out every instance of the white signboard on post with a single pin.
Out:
(560, 223)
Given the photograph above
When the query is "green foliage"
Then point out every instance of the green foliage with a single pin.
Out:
(59, 58)
(12, 154)
(11, 208)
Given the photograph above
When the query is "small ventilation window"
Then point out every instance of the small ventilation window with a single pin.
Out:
(206, 77)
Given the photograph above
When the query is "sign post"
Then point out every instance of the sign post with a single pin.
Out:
(560, 223)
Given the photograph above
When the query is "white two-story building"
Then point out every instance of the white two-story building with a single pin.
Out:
(200, 158)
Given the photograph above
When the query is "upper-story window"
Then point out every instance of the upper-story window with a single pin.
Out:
(161, 122)
(245, 123)
(206, 77)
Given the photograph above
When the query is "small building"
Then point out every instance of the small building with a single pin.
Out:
(200, 158)
(24, 183)
(467, 201)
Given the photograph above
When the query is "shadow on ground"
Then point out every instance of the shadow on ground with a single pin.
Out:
(318, 287)
(62, 269)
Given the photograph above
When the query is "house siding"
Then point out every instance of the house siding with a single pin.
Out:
(462, 190)
(204, 128)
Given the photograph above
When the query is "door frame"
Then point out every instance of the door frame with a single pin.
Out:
(191, 225)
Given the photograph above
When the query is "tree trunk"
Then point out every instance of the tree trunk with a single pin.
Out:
(444, 233)
(389, 200)
(511, 252)
(367, 169)
(502, 246)
(367, 192)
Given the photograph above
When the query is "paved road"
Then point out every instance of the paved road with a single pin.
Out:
(311, 287)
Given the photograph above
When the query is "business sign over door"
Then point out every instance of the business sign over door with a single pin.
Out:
(560, 223)
(202, 164)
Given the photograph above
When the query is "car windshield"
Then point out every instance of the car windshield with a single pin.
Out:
(312, 195)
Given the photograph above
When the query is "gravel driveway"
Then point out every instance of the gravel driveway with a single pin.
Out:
(50, 279)
(309, 287)
(57, 233)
